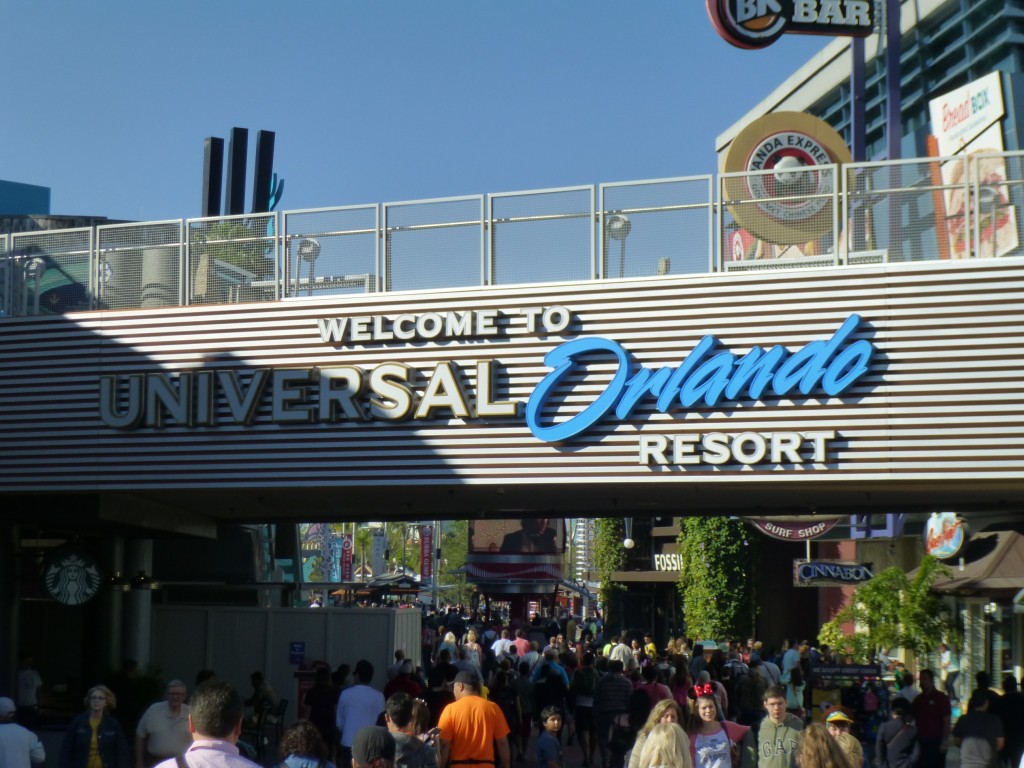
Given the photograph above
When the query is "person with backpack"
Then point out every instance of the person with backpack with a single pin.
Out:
(896, 743)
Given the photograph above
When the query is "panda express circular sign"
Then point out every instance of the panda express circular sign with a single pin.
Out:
(759, 23)
(783, 191)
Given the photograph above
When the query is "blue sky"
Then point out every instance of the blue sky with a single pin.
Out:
(371, 101)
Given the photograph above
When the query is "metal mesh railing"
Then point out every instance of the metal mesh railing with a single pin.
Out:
(331, 251)
(793, 211)
(52, 272)
(906, 210)
(542, 236)
(232, 259)
(431, 244)
(139, 265)
(909, 210)
(658, 227)
(6, 264)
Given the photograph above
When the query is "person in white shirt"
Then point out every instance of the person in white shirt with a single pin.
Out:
(163, 730)
(19, 747)
(29, 683)
(358, 707)
(501, 645)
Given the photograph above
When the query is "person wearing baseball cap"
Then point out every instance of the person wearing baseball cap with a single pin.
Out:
(19, 747)
(474, 732)
(838, 720)
(373, 747)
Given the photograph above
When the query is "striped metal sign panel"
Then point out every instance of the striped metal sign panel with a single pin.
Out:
(943, 398)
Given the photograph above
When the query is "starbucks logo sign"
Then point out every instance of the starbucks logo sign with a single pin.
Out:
(72, 578)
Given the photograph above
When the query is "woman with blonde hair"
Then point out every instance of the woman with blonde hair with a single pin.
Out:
(665, 711)
(94, 739)
(449, 643)
(816, 748)
(666, 746)
(474, 653)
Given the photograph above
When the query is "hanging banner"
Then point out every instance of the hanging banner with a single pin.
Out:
(426, 553)
(346, 556)
(380, 543)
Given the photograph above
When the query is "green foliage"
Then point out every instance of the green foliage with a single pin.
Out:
(716, 577)
(892, 611)
(241, 243)
(454, 546)
(609, 557)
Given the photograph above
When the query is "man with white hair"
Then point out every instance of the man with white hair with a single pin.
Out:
(163, 729)
(19, 747)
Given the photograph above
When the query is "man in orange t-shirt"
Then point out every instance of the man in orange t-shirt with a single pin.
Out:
(474, 733)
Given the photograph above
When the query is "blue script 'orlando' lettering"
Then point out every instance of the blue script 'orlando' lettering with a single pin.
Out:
(826, 364)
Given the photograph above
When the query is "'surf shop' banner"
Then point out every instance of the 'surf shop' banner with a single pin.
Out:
(759, 23)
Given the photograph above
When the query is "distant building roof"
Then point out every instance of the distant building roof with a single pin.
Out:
(17, 198)
(992, 561)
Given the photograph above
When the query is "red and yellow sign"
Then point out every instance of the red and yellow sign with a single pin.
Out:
(759, 23)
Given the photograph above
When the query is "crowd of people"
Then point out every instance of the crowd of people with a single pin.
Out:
(490, 696)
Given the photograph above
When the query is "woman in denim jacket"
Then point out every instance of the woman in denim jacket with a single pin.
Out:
(94, 739)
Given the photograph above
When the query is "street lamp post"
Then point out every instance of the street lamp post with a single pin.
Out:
(617, 227)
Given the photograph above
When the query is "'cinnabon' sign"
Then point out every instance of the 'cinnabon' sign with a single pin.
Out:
(759, 23)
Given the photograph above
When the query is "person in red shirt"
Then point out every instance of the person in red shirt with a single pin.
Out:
(931, 712)
(403, 682)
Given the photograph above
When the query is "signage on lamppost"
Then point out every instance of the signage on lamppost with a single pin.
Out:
(945, 535)
(346, 557)
(759, 23)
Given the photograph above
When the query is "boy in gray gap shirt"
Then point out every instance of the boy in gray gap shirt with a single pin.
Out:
(772, 743)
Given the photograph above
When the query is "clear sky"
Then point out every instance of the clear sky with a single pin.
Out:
(108, 102)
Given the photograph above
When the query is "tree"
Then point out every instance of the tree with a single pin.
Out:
(609, 557)
(454, 546)
(716, 577)
(891, 610)
(239, 242)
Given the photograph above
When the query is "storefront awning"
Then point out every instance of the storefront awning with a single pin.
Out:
(993, 562)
